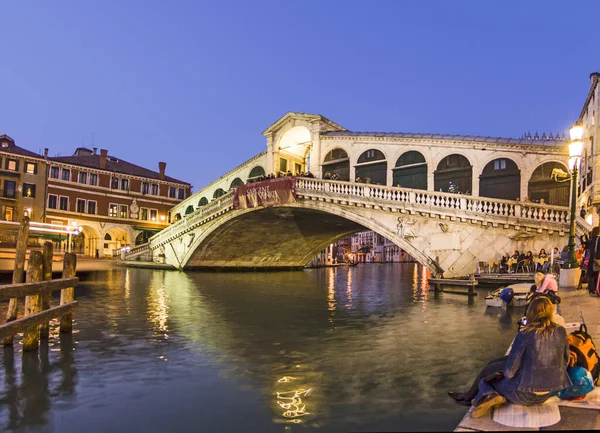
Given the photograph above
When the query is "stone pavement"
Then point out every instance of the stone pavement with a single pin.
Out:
(573, 304)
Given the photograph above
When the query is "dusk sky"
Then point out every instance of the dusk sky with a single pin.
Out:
(195, 83)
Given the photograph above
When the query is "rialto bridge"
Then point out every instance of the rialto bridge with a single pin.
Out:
(449, 201)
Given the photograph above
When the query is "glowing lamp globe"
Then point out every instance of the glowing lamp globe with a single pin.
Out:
(576, 132)
(575, 149)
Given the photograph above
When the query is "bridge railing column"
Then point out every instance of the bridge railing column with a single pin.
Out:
(518, 211)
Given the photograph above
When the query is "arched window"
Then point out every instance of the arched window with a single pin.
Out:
(256, 172)
(218, 193)
(337, 163)
(189, 209)
(372, 167)
(177, 217)
(371, 155)
(107, 237)
(541, 186)
(411, 171)
(500, 178)
(454, 174)
(203, 202)
(236, 182)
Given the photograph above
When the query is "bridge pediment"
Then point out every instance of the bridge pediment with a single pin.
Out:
(291, 119)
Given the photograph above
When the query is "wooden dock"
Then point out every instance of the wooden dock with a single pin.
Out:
(504, 279)
(440, 283)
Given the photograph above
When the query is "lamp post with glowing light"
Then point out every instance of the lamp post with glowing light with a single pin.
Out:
(575, 151)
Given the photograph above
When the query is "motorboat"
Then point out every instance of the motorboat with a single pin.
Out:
(519, 298)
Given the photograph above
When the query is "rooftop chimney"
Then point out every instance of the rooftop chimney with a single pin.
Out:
(45, 152)
(94, 150)
(103, 154)
(161, 170)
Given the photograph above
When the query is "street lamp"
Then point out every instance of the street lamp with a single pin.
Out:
(575, 151)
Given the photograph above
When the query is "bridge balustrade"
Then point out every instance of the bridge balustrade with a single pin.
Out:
(439, 200)
(419, 200)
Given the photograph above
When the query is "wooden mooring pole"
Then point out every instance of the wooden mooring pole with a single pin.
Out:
(19, 267)
(68, 295)
(35, 274)
(48, 251)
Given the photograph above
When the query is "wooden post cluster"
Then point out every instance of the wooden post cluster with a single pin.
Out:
(48, 252)
(18, 270)
(68, 295)
(35, 274)
(37, 290)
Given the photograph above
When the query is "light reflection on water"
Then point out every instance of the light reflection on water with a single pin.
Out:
(337, 349)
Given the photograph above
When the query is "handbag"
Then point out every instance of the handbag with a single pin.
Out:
(582, 384)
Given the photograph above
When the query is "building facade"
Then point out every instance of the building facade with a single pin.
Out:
(589, 190)
(22, 182)
(114, 202)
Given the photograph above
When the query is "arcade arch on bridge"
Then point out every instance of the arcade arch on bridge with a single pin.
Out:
(500, 178)
(236, 182)
(256, 172)
(336, 162)
(454, 173)
(410, 171)
(294, 148)
(189, 209)
(218, 193)
(542, 187)
(203, 202)
(372, 166)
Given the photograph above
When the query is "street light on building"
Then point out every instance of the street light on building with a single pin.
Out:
(575, 151)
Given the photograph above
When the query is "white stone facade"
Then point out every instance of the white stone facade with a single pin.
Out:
(590, 163)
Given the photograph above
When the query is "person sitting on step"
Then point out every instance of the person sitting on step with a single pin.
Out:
(536, 366)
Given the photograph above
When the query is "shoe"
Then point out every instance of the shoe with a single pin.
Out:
(486, 404)
(458, 396)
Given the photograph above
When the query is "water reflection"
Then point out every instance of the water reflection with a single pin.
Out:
(158, 309)
(194, 348)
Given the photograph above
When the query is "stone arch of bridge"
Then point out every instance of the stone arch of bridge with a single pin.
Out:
(410, 170)
(542, 186)
(373, 164)
(293, 143)
(454, 173)
(500, 178)
(286, 236)
(438, 157)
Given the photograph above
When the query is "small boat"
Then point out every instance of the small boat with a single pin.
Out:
(519, 299)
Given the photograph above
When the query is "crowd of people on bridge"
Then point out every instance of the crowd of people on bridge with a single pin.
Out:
(279, 175)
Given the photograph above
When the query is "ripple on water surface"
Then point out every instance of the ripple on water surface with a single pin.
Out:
(345, 349)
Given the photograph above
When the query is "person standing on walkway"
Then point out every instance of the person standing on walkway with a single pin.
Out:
(594, 254)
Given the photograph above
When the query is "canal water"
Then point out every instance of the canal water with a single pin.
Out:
(327, 350)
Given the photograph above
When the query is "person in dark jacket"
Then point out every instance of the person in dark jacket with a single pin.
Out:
(593, 253)
(536, 366)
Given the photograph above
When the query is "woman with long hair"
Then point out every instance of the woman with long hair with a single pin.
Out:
(536, 366)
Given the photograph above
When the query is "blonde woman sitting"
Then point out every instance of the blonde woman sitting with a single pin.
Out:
(536, 366)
